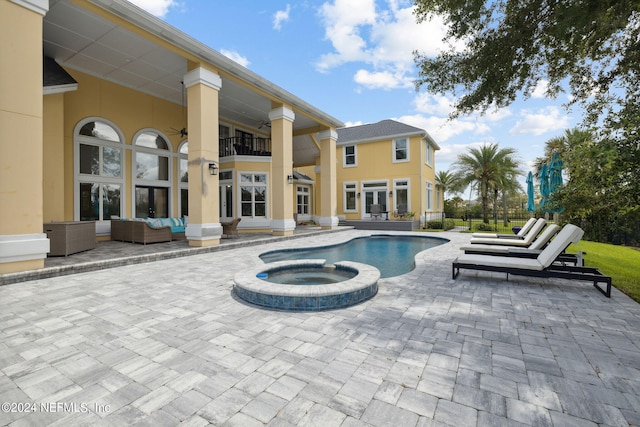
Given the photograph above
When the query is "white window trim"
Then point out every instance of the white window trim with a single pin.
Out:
(344, 156)
(408, 187)
(394, 151)
(428, 160)
(299, 191)
(102, 227)
(429, 201)
(169, 153)
(253, 221)
(344, 196)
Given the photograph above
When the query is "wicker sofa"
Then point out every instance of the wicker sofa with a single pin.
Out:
(145, 231)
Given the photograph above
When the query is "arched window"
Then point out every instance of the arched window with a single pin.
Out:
(183, 180)
(152, 174)
(99, 177)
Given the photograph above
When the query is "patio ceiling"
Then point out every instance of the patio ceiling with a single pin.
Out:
(81, 40)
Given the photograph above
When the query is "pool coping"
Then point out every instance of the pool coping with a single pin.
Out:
(252, 289)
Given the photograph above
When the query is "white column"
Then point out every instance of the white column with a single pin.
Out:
(282, 222)
(328, 199)
(204, 228)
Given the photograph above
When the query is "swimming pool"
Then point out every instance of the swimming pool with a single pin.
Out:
(393, 255)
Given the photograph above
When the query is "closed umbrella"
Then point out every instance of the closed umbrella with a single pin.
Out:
(555, 179)
(545, 191)
(531, 204)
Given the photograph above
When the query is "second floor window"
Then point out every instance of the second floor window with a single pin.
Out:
(350, 155)
(400, 150)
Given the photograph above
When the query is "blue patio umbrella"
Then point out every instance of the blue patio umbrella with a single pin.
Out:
(531, 204)
(545, 190)
(555, 179)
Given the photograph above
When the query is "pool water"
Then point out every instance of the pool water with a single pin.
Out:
(309, 276)
(392, 255)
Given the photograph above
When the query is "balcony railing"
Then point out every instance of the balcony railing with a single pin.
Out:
(245, 146)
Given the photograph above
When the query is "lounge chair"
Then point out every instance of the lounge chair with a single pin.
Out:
(539, 243)
(521, 233)
(544, 265)
(532, 251)
(521, 242)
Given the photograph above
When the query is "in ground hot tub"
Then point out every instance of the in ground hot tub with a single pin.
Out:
(307, 285)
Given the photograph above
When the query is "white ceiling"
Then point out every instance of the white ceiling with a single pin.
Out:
(80, 40)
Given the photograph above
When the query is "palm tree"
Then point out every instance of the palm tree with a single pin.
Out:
(490, 168)
(448, 181)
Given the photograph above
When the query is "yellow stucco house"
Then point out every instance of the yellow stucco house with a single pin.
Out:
(389, 164)
(107, 111)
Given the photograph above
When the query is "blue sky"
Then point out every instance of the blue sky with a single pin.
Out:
(353, 59)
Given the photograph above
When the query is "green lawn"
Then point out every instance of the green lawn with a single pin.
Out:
(620, 262)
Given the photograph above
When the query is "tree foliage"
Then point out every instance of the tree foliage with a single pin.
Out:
(599, 193)
(511, 45)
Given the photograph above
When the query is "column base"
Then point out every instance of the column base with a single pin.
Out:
(23, 252)
(203, 234)
(282, 227)
(328, 222)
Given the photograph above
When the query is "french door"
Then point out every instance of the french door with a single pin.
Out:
(374, 193)
(152, 202)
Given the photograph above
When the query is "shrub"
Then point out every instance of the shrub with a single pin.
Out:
(483, 227)
(447, 224)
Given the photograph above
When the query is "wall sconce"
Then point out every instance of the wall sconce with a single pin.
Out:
(390, 193)
(290, 179)
(213, 169)
(358, 195)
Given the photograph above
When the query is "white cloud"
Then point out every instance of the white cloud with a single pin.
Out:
(281, 16)
(157, 8)
(433, 104)
(441, 129)
(235, 56)
(540, 91)
(548, 119)
(384, 39)
(381, 80)
(350, 124)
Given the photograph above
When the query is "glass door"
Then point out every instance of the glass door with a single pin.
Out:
(374, 193)
(152, 202)
(226, 202)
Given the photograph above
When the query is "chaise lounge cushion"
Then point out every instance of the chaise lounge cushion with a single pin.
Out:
(538, 244)
(526, 241)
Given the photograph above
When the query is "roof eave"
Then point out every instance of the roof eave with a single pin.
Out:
(172, 35)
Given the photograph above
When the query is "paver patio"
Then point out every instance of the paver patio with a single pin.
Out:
(167, 343)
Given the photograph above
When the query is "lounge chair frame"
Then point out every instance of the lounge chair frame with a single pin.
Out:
(588, 274)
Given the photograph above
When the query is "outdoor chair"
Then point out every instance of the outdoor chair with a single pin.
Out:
(520, 234)
(230, 229)
(402, 210)
(376, 211)
(544, 265)
(513, 240)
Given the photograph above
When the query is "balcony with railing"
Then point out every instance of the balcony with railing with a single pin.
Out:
(244, 146)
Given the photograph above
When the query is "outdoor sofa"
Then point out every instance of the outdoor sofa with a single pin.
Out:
(544, 265)
(149, 230)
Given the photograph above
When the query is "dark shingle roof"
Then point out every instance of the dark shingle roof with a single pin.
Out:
(384, 128)
(54, 75)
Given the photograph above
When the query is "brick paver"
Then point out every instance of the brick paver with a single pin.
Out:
(166, 342)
